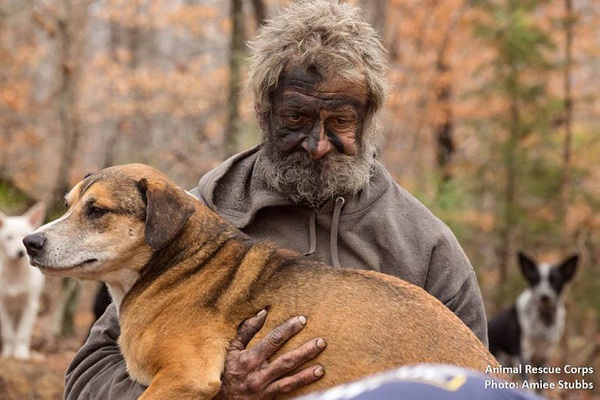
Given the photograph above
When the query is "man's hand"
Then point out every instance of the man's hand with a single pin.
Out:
(247, 373)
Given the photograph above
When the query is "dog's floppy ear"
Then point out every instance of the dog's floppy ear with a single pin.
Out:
(567, 268)
(36, 214)
(168, 208)
(529, 268)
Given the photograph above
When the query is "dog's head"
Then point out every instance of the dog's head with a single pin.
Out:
(14, 229)
(547, 281)
(116, 219)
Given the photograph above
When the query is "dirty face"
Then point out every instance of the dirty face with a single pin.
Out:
(317, 116)
(102, 230)
(318, 145)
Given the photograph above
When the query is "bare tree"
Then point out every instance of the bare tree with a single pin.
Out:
(568, 112)
(375, 13)
(70, 20)
(444, 126)
(236, 60)
(260, 11)
(69, 25)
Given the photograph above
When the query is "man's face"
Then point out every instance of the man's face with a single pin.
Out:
(317, 117)
(315, 147)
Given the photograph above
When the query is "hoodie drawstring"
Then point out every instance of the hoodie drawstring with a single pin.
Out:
(335, 226)
(313, 233)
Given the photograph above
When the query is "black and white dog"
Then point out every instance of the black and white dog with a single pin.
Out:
(528, 332)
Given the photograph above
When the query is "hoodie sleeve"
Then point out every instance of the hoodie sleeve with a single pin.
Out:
(98, 369)
(451, 279)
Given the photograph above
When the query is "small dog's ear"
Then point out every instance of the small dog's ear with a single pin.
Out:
(529, 268)
(168, 209)
(567, 268)
(36, 214)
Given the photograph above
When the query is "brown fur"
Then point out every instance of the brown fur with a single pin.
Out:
(191, 278)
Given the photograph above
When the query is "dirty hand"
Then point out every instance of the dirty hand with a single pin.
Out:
(249, 376)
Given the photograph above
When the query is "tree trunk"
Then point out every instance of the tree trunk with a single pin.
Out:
(236, 60)
(260, 12)
(69, 26)
(444, 125)
(509, 214)
(69, 127)
(375, 12)
(568, 115)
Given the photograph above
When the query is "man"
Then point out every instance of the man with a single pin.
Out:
(315, 186)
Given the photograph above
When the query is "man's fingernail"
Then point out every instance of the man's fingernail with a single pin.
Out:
(319, 371)
(321, 343)
(261, 313)
(302, 319)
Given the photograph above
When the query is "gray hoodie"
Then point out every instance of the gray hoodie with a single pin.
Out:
(383, 228)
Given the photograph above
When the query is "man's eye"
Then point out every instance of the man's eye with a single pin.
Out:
(295, 119)
(341, 123)
(96, 212)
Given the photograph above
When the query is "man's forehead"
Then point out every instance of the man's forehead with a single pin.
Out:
(297, 79)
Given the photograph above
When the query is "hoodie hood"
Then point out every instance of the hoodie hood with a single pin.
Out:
(238, 194)
(234, 191)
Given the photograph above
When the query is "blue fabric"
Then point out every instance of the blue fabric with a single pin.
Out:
(426, 381)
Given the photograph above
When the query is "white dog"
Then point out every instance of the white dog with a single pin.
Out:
(20, 284)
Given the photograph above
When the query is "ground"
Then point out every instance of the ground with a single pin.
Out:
(42, 377)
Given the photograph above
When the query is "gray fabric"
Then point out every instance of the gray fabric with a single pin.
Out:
(384, 228)
(98, 369)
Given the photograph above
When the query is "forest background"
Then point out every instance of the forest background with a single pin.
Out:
(492, 122)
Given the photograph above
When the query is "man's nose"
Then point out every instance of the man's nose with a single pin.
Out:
(317, 144)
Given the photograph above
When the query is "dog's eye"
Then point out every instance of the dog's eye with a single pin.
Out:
(96, 212)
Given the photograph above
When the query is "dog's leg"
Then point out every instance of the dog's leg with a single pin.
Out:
(8, 332)
(172, 385)
(193, 374)
(24, 330)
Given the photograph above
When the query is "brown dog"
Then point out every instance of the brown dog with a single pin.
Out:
(183, 279)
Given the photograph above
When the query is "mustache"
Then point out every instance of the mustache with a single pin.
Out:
(314, 182)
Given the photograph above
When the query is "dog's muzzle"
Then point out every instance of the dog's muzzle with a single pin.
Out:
(34, 243)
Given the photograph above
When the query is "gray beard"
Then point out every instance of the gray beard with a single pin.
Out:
(315, 182)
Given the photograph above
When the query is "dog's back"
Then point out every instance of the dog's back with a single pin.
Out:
(504, 333)
(354, 311)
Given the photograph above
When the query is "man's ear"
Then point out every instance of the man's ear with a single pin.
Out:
(261, 120)
(168, 209)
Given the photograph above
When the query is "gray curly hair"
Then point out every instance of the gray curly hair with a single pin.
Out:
(326, 35)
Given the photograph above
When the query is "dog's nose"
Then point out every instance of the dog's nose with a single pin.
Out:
(34, 243)
(545, 299)
(21, 254)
